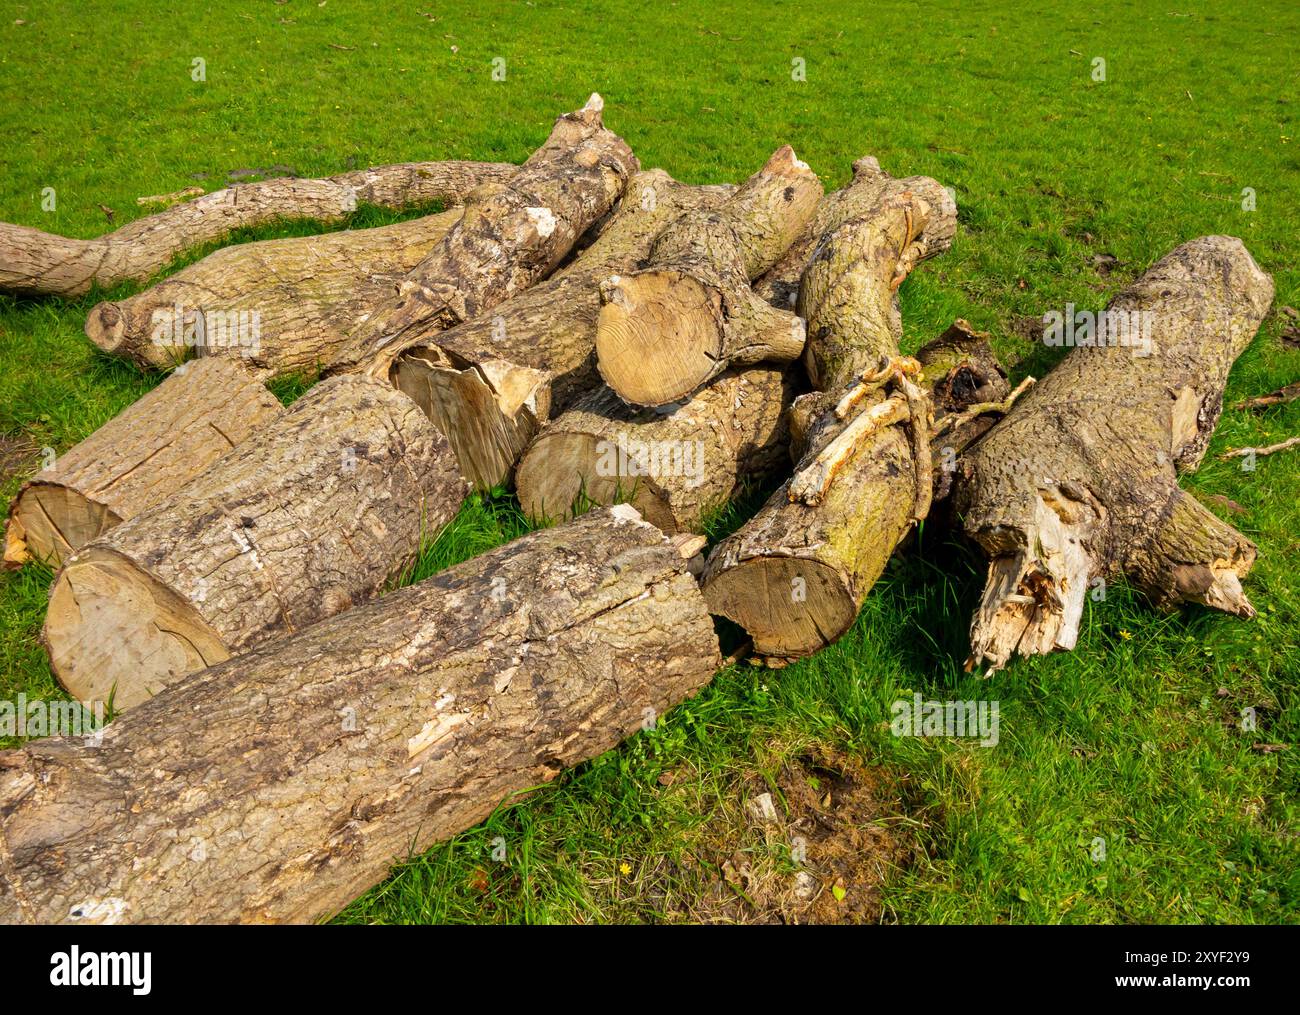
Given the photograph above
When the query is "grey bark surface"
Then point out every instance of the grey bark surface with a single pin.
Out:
(280, 784)
(41, 263)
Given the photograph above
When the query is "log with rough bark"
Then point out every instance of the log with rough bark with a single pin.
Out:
(490, 383)
(282, 783)
(313, 515)
(512, 234)
(40, 263)
(280, 306)
(136, 459)
(779, 285)
(1079, 481)
(667, 329)
(673, 464)
(795, 575)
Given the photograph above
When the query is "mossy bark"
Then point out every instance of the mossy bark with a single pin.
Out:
(795, 575)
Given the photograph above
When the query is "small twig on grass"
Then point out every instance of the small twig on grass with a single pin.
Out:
(1289, 393)
(1290, 442)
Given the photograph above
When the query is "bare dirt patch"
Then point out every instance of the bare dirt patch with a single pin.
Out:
(817, 843)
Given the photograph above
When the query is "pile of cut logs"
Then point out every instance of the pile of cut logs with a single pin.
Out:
(605, 338)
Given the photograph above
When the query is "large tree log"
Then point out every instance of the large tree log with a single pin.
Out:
(490, 383)
(32, 261)
(674, 465)
(795, 575)
(136, 459)
(308, 293)
(313, 515)
(511, 235)
(670, 328)
(1078, 482)
(282, 783)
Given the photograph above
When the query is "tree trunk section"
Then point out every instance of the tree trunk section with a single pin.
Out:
(313, 515)
(512, 235)
(282, 783)
(490, 383)
(280, 306)
(136, 460)
(1079, 481)
(40, 263)
(795, 575)
(779, 285)
(673, 466)
(670, 328)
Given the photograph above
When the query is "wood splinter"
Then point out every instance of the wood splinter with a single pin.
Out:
(909, 404)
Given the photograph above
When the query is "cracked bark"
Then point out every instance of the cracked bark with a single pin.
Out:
(278, 785)
(40, 263)
(667, 329)
(1079, 481)
(317, 512)
(512, 235)
(137, 459)
(309, 293)
(796, 574)
(491, 382)
(674, 464)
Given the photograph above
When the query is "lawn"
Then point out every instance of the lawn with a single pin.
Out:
(1068, 187)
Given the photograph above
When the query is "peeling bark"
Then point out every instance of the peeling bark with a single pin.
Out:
(136, 460)
(490, 383)
(512, 234)
(40, 263)
(313, 515)
(279, 785)
(673, 464)
(795, 575)
(308, 294)
(1079, 482)
(666, 330)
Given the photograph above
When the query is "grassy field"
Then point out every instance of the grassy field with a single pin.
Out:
(1067, 186)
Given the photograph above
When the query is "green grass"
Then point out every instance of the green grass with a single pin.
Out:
(1134, 737)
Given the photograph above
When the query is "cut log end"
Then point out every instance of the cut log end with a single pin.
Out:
(48, 522)
(106, 327)
(658, 337)
(789, 606)
(113, 632)
(489, 410)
